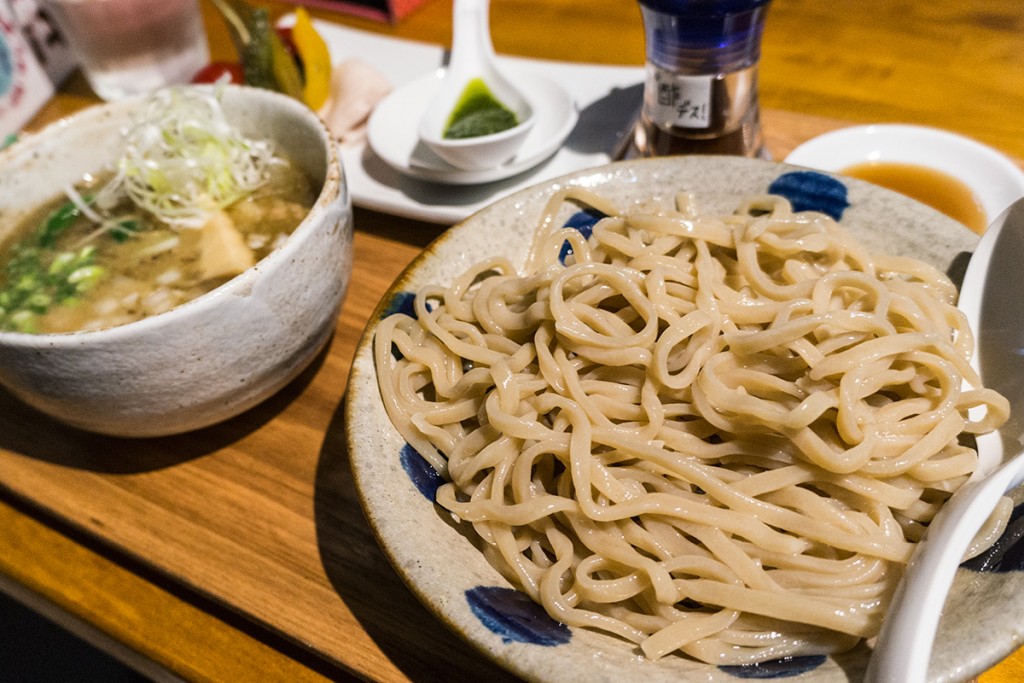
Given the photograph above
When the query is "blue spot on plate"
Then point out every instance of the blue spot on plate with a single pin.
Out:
(515, 617)
(424, 477)
(785, 667)
(812, 191)
(1006, 554)
(402, 302)
(584, 221)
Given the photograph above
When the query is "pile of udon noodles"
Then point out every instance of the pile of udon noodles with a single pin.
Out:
(720, 435)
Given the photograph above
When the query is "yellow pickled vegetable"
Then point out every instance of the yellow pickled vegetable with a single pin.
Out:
(316, 60)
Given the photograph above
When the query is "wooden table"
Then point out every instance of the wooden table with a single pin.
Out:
(240, 551)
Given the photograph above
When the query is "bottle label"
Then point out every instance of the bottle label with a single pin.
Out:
(677, 100)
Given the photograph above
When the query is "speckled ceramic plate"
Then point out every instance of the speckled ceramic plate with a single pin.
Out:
(982, 621)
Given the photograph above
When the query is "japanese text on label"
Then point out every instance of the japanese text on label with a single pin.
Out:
(678, 100)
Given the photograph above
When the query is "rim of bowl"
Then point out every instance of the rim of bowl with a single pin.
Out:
(332, 184)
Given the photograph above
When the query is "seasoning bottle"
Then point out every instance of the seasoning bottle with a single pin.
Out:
(700, 94)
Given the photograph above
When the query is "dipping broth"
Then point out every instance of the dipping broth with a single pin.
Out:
(59, 272)
(927, 185)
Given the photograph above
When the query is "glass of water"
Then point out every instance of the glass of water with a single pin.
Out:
(130, 47)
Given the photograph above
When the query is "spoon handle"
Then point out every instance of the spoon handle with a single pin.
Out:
(471, 35)
(904, 646)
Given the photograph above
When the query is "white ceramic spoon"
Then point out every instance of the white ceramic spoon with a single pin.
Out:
(993, 300)
(473, 57)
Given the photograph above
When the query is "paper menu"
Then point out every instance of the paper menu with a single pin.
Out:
(49, 46)
(33, 57)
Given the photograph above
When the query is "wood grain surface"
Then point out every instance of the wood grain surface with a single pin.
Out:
(241, 550)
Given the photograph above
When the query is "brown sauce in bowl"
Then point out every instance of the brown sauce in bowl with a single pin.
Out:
(939, 190)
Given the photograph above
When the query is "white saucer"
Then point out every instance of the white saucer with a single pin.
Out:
(993, 177)
(392, 134)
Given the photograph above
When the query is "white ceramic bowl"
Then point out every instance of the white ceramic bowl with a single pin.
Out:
(479, 153)
(212, 357)
(444, 567)
(995, 179)
(395, 136)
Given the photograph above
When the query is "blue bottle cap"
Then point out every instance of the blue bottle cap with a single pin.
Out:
(704, 36)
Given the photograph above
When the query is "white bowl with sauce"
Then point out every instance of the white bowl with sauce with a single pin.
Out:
(217, 355)
(393, 129)
(961, 177)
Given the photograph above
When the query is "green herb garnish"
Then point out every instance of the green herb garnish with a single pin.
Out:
(57, 222)
(122, 230)
(38, 277)
(478, 113)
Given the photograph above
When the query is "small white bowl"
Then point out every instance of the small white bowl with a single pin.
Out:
(479, 153)
(393, 133)
(472, 57)
(217, 355)
(995, 179)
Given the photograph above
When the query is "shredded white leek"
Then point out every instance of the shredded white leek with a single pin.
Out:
(183, 160)
(72, 194)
